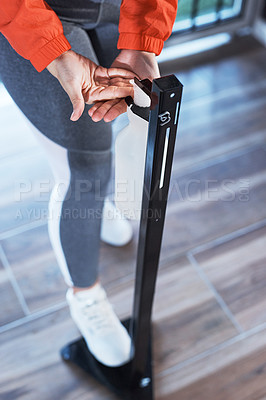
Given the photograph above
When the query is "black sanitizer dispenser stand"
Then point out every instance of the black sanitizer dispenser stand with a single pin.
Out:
(134, 381)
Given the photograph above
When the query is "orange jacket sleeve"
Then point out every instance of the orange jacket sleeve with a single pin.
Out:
(146, 24)
(33, 30)
(36, 33)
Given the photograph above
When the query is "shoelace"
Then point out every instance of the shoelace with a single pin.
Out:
(99, 315)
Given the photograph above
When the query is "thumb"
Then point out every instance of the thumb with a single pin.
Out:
(76, 98)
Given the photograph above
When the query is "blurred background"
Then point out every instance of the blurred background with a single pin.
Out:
(210, 302)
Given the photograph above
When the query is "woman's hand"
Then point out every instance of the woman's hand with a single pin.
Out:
(86, 82)
(143, 65)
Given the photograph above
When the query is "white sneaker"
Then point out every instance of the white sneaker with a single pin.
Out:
(106, 338)
(116, 229)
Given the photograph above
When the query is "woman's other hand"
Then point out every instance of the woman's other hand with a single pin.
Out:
(143, 65)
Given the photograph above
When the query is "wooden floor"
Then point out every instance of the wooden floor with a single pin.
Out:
(210, 304)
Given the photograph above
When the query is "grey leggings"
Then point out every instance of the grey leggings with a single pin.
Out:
(79, 152)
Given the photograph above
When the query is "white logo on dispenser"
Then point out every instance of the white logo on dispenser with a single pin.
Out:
(164, 118)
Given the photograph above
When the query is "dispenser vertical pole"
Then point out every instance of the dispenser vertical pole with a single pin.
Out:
(159, 156)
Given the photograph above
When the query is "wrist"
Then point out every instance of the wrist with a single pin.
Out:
(132, 53)
(52, 67)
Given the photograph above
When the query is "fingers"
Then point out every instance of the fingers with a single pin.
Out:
(78, 108)
(101, 73)
(107, 110)
(121, 72)
(110, 93)
(110, 100)
(98, 110)
(115, 111)
(73, 90)
(118, 81)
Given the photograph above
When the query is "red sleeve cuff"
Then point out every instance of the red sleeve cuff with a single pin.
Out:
(134, 41)
(49, 52)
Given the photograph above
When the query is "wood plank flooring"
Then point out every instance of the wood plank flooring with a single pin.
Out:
(209, 316)
(237, 269)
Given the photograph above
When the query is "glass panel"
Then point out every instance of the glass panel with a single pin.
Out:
(228, 4)
(206, 7)
(232, 8)
(183, 18)
(207, 12)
